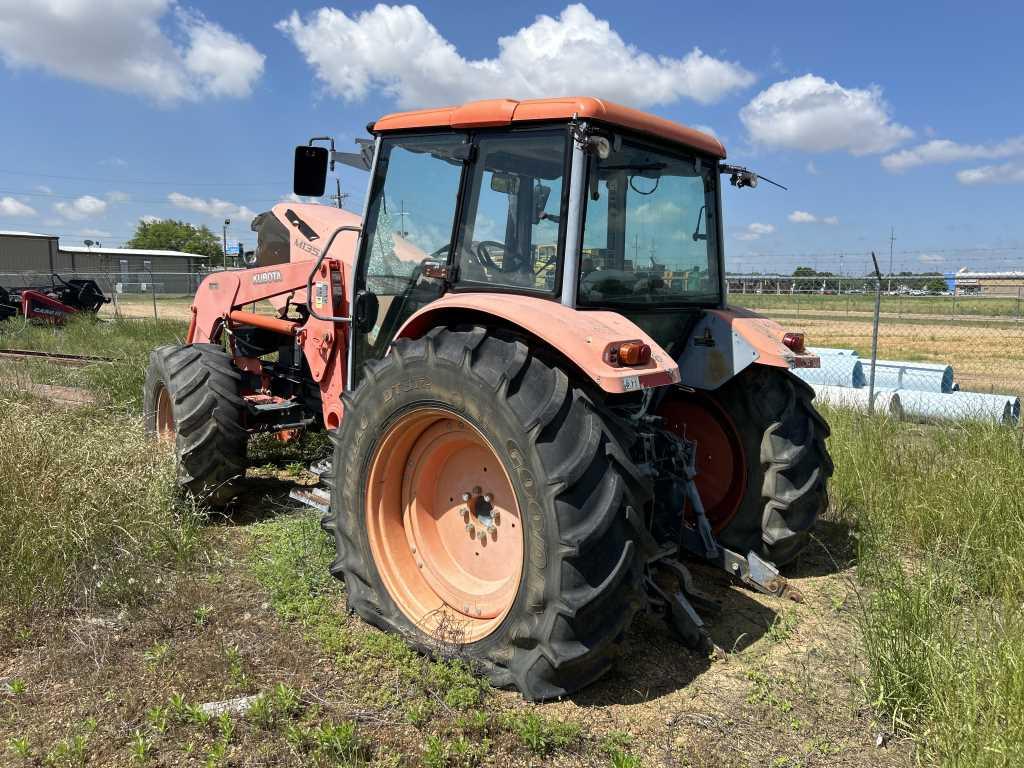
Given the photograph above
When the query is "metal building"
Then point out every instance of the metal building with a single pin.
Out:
(967, 283)
(28, 259)
(134, 270)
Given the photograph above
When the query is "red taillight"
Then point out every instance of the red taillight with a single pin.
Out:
(628, 353)
(795, 341)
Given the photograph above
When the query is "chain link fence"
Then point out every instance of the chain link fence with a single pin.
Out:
(940, 355)
(133, 295)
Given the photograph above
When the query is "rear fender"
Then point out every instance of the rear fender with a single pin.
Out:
(724, 342)
(581, 336)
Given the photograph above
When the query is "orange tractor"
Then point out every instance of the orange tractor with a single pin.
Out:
(538, 398)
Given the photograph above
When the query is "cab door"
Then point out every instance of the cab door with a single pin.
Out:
(408, 226)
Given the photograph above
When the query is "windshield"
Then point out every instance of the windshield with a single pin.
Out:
(650, 236)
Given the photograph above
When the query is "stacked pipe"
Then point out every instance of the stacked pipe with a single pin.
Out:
(903, 389)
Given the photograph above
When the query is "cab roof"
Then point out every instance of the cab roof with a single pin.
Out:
(491, 113)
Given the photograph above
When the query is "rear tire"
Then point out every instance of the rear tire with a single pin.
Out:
(580, 583)
(784, 438)
(767, 494)
(200, 386)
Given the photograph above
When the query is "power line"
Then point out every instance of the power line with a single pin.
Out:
(147, 181)
(151, 201)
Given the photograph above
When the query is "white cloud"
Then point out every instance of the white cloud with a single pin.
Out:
(10, 206)
(707, 129)
(395, 49)
(811, 114)
(43, 189)
(755, 231)
(93, 233)
(655, 213)
(803, 217)
(931, 258)
(812, 168)
(149, 218)
(1007, 173)
(213, 207)
(946, 151)
(81, 207)
(118, 197)
(122, 45)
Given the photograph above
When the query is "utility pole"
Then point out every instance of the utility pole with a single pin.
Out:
(892, 242)
(225, 234)
(402, 214)
(339, 196)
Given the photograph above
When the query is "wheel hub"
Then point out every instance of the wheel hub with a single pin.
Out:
(444, 525)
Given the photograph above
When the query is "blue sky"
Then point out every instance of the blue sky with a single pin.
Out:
(908, 115)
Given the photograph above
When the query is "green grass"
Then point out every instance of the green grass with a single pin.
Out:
(89, 512)
(128, 343)
(948, 306)
(939, 513)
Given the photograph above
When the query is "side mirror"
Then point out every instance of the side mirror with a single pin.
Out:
(310, 171)
(505, 183)
(364, 313)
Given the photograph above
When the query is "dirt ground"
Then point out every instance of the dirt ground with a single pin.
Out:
(785, 695)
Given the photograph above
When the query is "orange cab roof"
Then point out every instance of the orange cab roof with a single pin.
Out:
(498, 112)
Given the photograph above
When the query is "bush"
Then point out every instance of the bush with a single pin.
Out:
(88, 509)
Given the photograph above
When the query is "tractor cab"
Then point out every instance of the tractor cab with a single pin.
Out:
(577, 201)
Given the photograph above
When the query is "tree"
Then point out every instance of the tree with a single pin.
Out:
(173, 235)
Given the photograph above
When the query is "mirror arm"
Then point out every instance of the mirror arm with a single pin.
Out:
(325, 138)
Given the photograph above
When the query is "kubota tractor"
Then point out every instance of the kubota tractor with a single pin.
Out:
(538, 397)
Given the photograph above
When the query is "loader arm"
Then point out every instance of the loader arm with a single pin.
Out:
(220, 306)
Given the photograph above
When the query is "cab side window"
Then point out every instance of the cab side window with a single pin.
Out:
(513, 212)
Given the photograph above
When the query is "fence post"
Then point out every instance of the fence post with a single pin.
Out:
(147, 266)
(874, 335)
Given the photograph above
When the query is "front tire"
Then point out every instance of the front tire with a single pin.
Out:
(578, 582)
(191, 396)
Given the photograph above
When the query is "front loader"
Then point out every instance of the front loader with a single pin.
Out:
(539, 400)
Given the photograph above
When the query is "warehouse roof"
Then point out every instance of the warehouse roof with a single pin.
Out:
(1015, 275)
(15, 233)
(131, 252)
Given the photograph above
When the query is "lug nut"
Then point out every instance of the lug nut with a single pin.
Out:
(465, 514)
(496, 517)
(492, 530)
(466, 497)
(482, 535)
(470, 529)
(488, 497)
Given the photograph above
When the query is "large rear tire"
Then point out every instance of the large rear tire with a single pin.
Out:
(549, 613)
(763, 465)
(191, 396)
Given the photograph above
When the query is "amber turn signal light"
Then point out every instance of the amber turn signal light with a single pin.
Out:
(629, 353)
(795, 341)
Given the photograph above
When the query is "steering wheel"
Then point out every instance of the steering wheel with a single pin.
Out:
(480, 251)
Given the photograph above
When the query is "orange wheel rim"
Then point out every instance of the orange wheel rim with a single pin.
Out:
(721, 461)
(444, 526)
(165, 428)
